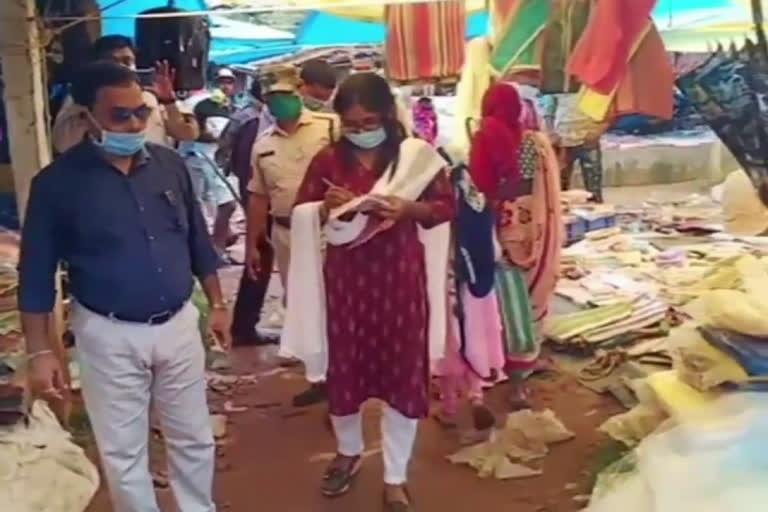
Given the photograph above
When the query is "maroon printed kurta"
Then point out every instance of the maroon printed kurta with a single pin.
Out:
(376, 293)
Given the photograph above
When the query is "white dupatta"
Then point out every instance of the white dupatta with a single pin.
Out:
(305, 333)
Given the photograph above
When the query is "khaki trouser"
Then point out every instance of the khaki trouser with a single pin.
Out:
(281, 241)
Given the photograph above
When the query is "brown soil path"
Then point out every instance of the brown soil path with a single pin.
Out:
(269, 462)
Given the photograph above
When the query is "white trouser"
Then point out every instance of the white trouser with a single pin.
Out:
(398, 434)
(124, 366)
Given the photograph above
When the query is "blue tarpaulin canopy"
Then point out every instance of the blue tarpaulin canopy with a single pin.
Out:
(322, 29)
(319, 29)
(685, 25)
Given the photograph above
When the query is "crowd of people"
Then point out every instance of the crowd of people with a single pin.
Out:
(400, 260)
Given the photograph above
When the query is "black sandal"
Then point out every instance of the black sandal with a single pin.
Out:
(340, 474)
(399, 506)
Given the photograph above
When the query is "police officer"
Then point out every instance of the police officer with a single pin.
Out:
(280, 159)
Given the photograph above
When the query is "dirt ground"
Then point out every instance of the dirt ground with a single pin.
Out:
(272, 458)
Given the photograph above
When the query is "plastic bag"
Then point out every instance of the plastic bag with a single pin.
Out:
(711, 462)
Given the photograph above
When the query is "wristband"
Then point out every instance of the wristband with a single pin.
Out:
(166, 101)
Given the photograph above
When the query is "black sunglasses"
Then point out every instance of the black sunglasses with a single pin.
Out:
(123, 115)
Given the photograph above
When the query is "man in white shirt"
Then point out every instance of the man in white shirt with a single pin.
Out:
(167, 122)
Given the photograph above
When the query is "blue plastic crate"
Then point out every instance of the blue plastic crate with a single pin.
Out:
(601, 223)
(575, 229)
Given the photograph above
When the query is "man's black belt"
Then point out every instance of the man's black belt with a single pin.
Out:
(154, 319)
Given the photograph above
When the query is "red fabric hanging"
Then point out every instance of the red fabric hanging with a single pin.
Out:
(601, 57)
(425, 41)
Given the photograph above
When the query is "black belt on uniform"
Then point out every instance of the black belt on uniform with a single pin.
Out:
(154, 319)
(283, 222)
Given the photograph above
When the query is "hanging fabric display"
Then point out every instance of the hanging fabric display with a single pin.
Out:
(726, 91)
(616, 27)
(564, 29)
(517, 41)
(649, 85)
(425, 41)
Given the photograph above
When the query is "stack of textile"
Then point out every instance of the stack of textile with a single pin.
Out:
(12, 396)
(594, 328)
(9, 259)
(734, 324)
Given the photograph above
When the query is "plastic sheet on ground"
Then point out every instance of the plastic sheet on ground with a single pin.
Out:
(636, 424)
(525, 437)
(711, 461)
(41, 469)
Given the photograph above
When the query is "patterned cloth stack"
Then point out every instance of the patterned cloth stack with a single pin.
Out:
(603, 324)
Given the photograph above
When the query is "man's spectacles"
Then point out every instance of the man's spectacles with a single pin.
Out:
(123, 115)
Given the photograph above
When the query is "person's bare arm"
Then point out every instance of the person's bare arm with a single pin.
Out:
(36, 334)
(180, 126)
(38, 261)
(212, 288)
(256, 230)
(258, 211)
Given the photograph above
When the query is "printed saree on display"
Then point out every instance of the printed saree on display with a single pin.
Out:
(425, 41)
(729, 91)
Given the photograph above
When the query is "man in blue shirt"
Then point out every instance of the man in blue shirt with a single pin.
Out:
(121, 214)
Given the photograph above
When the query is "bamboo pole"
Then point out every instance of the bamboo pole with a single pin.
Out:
(25, 98)
(757, 17)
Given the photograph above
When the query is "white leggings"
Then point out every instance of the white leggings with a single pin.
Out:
(398, 435)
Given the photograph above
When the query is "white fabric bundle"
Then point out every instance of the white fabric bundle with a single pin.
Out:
(305, 335)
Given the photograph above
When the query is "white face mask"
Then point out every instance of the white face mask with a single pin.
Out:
(527, 92)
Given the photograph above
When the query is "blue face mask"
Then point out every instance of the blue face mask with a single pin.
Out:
(118, 143)
(368, 140)
(121, 144)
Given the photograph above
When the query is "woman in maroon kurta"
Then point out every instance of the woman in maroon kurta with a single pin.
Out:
(376, 293)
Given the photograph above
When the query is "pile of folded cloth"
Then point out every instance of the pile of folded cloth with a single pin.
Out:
(12, 396)
(730, 343)
(9, 282)
(597, 326)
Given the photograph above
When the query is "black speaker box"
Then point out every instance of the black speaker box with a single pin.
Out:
(68, 44)
(184, 41)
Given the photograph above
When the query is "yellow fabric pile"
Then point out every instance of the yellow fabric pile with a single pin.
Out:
(742, 308)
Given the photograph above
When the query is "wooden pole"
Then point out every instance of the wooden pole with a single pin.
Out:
(25, 98)
(757, 17)
(25, 94)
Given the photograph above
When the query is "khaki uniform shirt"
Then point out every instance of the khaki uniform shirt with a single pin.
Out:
(280, 160)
